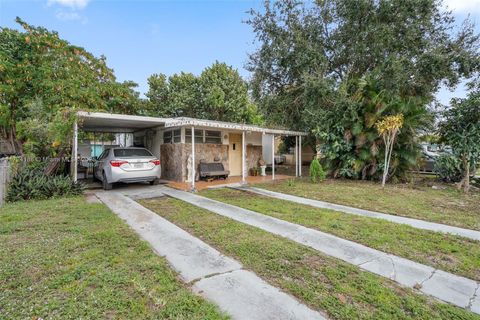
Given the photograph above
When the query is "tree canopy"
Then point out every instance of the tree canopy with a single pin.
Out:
(460, 129)
(219, 93)
(333, 67)
(411, 44)
(44, 79)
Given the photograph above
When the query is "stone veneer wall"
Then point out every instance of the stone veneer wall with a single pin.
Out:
(174, 158)
(206, 152)
(170, 159)
(254, 153)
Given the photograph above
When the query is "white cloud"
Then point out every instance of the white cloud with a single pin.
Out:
(69, 16)
(463, 6)
(74, 4)
(72, 10)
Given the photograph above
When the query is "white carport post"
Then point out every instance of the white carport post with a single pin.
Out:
(75, 151)
(273, 156)
(299, 156)
(296, 156)
(193, 159)
(244, 161)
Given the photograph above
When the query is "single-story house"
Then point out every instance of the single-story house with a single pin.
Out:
(181, 143)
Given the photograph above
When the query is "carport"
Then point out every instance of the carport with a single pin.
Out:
(97, 122)
(117, 123)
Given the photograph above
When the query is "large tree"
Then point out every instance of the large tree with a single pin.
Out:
(219, 93)
(314, 60)
(411, 44)
(44, 80)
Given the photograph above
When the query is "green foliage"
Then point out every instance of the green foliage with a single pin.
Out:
(219, 93)
(335, 67)
(448, 168)
(31, 183)
(44, 80)
(346, 129)
(291, 183)
(460, 129)
(409, 43)
(316, 171)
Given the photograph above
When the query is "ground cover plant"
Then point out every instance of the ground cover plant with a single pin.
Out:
(33, 183)
(66, 259)
(443, 204)
(341, 290)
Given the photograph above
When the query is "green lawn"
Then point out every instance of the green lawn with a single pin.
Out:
(66, 259)
(450, 253)
(448, 206)
(341, 290)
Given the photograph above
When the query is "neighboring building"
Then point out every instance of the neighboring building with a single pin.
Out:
(238, 146)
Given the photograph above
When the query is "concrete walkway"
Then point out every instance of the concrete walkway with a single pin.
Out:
(220, 279)
(448, 287)
(419, 224)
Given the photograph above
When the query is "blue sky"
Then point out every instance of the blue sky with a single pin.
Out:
(144, 37)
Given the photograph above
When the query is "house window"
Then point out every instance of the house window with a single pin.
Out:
(198, 136)
(172, 136)
(214, 137)
(203, 136)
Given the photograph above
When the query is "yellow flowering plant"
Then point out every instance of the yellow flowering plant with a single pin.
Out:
(389, 127)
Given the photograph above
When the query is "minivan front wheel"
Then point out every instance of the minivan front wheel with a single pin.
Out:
(106, 185)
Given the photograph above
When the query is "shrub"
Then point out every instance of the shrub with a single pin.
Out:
(32, 183)
(316, 171)
(291, 183)
(450, 168)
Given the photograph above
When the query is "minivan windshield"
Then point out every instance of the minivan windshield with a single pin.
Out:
(131, 153)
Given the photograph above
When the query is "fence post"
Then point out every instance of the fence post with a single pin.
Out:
(4, 177)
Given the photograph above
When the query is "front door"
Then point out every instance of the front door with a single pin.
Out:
(235, 154)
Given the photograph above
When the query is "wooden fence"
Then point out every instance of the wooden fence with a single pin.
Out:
(4, 177)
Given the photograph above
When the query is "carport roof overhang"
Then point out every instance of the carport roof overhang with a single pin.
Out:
(109, 122)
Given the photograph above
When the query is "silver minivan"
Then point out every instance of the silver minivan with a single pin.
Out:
(127, 165)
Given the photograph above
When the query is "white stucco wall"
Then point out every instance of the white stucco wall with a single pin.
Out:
(157, 140)
(267, 148)
(124, 139)
(254, 138)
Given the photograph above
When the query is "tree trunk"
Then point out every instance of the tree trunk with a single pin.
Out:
(386, 140)
(466, 182)
(14, 142)
(54, 163)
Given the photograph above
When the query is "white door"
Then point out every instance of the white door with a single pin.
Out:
(235, 154)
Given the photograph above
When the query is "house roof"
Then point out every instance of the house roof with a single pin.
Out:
(110, 122)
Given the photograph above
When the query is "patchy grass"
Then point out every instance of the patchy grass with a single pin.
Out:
(341, 290)
(448, 206)
(447, 252)
(66, 259)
